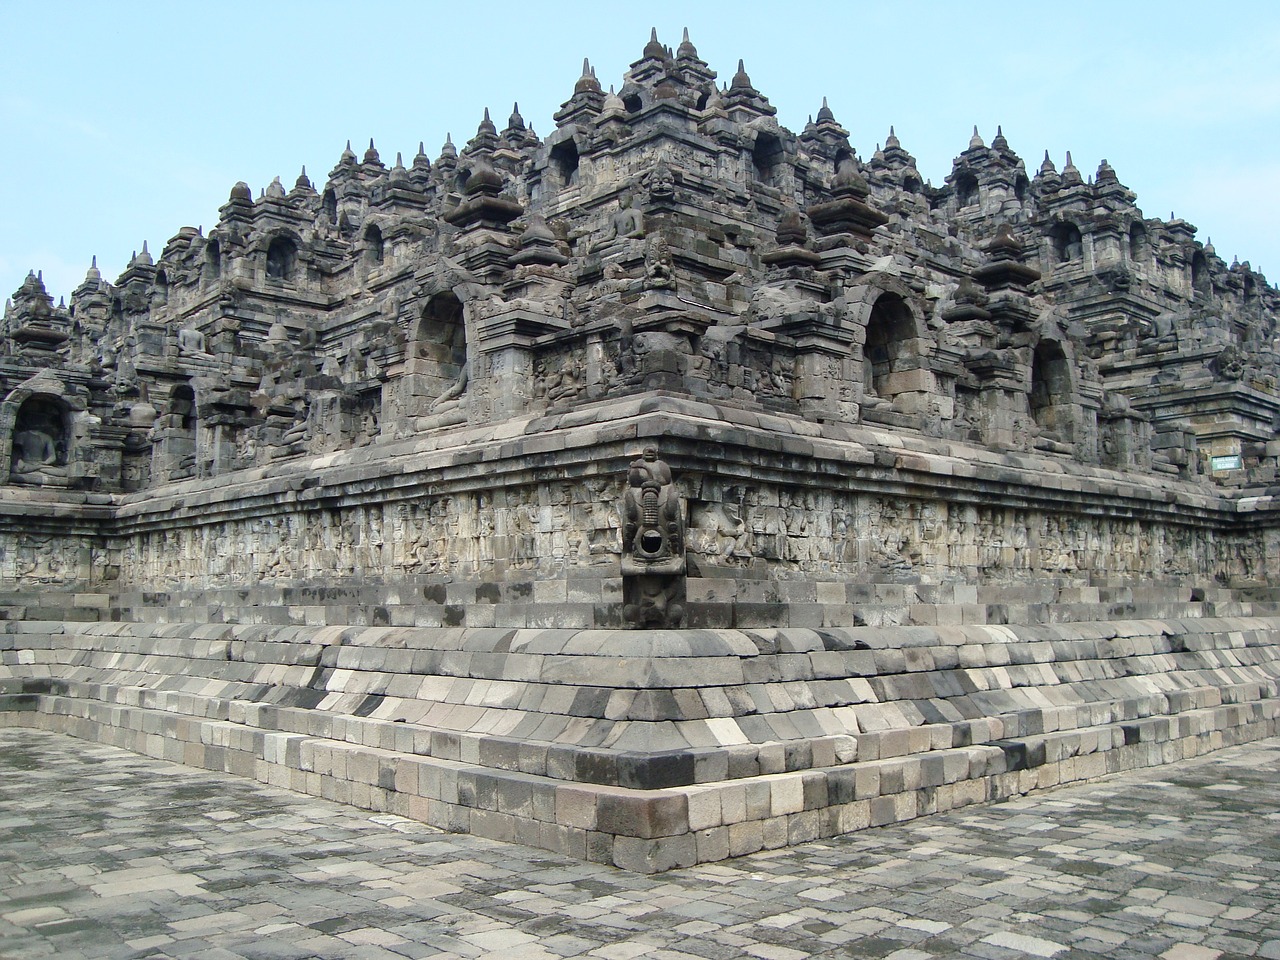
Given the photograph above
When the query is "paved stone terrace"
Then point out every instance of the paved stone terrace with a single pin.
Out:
(107, 854)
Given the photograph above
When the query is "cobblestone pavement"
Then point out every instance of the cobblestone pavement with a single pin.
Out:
(107, 854)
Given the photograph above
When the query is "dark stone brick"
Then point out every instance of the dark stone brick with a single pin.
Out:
(654, 771)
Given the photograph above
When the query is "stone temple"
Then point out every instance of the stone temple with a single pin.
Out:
(667, 488)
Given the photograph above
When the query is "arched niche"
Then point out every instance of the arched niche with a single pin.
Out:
(438, 347)
(1201, 282)
(888, 347)
(179, 436)
(1020, 186)
(40, 440)
(766, 156)
(374, 245)
(966, 188)
(282, 258)
(564, 160)
(1052, 388)
(1068, 245)
(182, 407)
(212, 260)
(160, 295)
(1138, 245)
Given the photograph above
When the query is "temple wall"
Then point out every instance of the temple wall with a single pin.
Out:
(770, 532)
(806, 495)
(497, 534)
(54, 539)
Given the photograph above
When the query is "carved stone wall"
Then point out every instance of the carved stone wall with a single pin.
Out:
(669, 250)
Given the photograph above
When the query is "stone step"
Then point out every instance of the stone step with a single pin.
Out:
(849, 683)
(698, 615)
(658, 749)
(54, 605)
(713, 603)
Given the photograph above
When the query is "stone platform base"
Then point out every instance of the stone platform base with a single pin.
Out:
(653, 750)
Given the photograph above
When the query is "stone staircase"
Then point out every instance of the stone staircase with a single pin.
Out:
(656, 749)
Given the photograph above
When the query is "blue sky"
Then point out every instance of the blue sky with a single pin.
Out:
(123, 122)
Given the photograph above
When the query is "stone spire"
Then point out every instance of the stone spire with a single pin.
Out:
(587, 100)
(654, 50)
(398, 171)
(686, 50)
(587, 83)
(448, 153)
(538, 245)
(421, 170)
(613, 107)
(486, 138)
(793, 242)
(743, 99)
(1070, 173)
(518, 134)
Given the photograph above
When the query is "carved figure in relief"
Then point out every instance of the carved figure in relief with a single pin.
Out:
(557, 378)
(845, 544)
(602, 540)
(724, 534)
(661, 182)
(1019, 541)
(485, 525)
(524, 523)
(656, 603)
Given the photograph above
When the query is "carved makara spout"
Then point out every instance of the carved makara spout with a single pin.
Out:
(653, 560)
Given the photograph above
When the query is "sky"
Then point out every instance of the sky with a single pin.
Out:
(123, 122)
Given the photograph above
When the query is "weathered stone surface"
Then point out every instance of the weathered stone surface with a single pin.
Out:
(953, 492)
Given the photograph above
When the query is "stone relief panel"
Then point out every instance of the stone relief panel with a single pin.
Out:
(35, 559)
(760, 530)
(885, 538)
